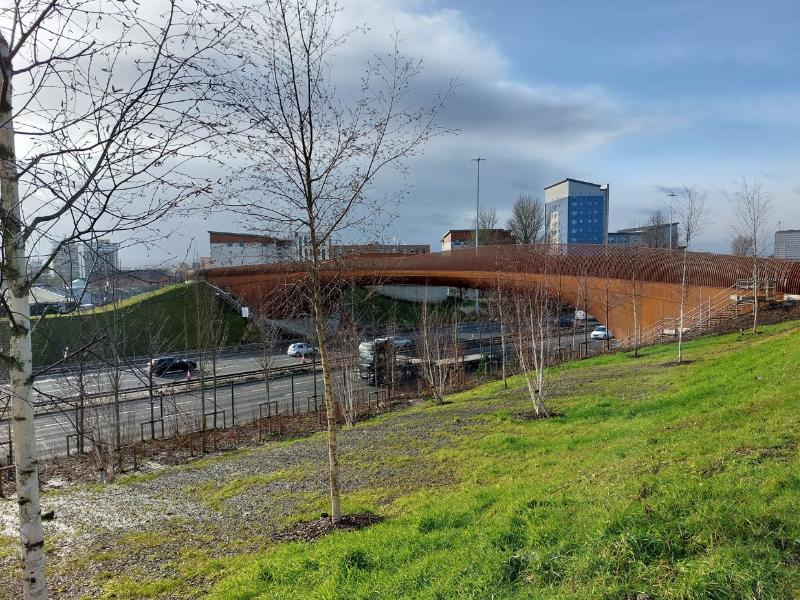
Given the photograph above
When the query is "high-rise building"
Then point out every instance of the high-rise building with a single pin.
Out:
(66, 265)
(576, 212)
(787, 244)
(100, 258)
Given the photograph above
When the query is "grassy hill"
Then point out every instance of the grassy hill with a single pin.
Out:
(673, 481)
(168, 314)
(657, 482)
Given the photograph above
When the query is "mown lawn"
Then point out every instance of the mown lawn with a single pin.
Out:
(674, 481)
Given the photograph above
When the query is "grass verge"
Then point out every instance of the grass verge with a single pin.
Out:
(675, 481)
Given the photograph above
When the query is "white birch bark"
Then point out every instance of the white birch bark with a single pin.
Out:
(15, 271)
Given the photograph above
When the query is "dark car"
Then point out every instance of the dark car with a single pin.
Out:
(168, 365)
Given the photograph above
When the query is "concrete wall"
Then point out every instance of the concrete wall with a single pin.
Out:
(433, 294)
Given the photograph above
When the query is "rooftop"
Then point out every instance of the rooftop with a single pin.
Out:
(223, 237)
(573, 180)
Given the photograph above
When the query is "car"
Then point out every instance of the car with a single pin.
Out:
(300, 349)
(167, 365)
(401, 342)
(601, 332)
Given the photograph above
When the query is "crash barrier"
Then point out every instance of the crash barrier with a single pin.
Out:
(197, 411)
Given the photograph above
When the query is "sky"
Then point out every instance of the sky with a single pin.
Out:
(640, 95)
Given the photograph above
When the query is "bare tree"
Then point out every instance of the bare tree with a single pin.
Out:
(634, 260)
(658, 230)
(103, 106)
(487, 219)
(497, 303)
(690, 209)
(488, 234)
(532, 314)
(310, 153)
(212, 331)
(438, 348)
(753, 208)
(346, 375)
(156, 344)
(741, 245)
(268, 334)
(527, 220)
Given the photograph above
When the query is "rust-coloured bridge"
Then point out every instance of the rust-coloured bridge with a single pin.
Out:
(595, 276)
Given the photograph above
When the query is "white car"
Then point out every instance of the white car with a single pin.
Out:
(301, 349)
(601, 332)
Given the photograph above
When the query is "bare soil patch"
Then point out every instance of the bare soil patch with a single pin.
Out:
(310, 530)
(533, 416)
(675, 363)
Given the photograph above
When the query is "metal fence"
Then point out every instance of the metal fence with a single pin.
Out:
(288, 402)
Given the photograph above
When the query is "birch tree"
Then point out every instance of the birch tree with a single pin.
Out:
(532, 314)
(690, 209)
(310, 153)
(752, 214)
(99, 116)
(634, 260)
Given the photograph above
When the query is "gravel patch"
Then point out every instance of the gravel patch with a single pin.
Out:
(139, 528)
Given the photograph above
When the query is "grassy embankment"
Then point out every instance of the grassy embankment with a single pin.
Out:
(373, 309)
(675, 481)
(169, 314)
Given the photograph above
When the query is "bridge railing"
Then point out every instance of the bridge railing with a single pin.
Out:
(697, 318)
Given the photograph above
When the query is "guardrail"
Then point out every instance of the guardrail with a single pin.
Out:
(697, 317)
(46, 402)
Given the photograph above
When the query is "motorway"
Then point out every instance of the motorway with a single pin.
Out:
(135, 374)
(181, 402)
(181, 411)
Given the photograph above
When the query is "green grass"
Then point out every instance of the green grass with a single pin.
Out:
(677, 481)
(214, 494)
(8, 546)
(371, 308)
(167, 315)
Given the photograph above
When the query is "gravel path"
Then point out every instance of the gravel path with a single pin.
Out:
(227, 504)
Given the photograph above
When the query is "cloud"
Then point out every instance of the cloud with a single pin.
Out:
(529, 130)
(492, 108)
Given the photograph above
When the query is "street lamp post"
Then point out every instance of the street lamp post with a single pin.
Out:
(671, 202)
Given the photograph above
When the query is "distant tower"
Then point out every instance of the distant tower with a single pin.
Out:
(576, 212)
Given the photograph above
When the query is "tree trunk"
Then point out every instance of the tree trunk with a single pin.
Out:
(20, 351)
(117, 423)
(330, 407)
(214, 379)
(502, 338)
(683, 302)
(755, 294)
(203, 443)
(635, 327)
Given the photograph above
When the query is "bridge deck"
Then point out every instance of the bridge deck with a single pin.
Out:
(601, 277)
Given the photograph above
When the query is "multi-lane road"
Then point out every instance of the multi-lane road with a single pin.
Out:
(179, 400)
